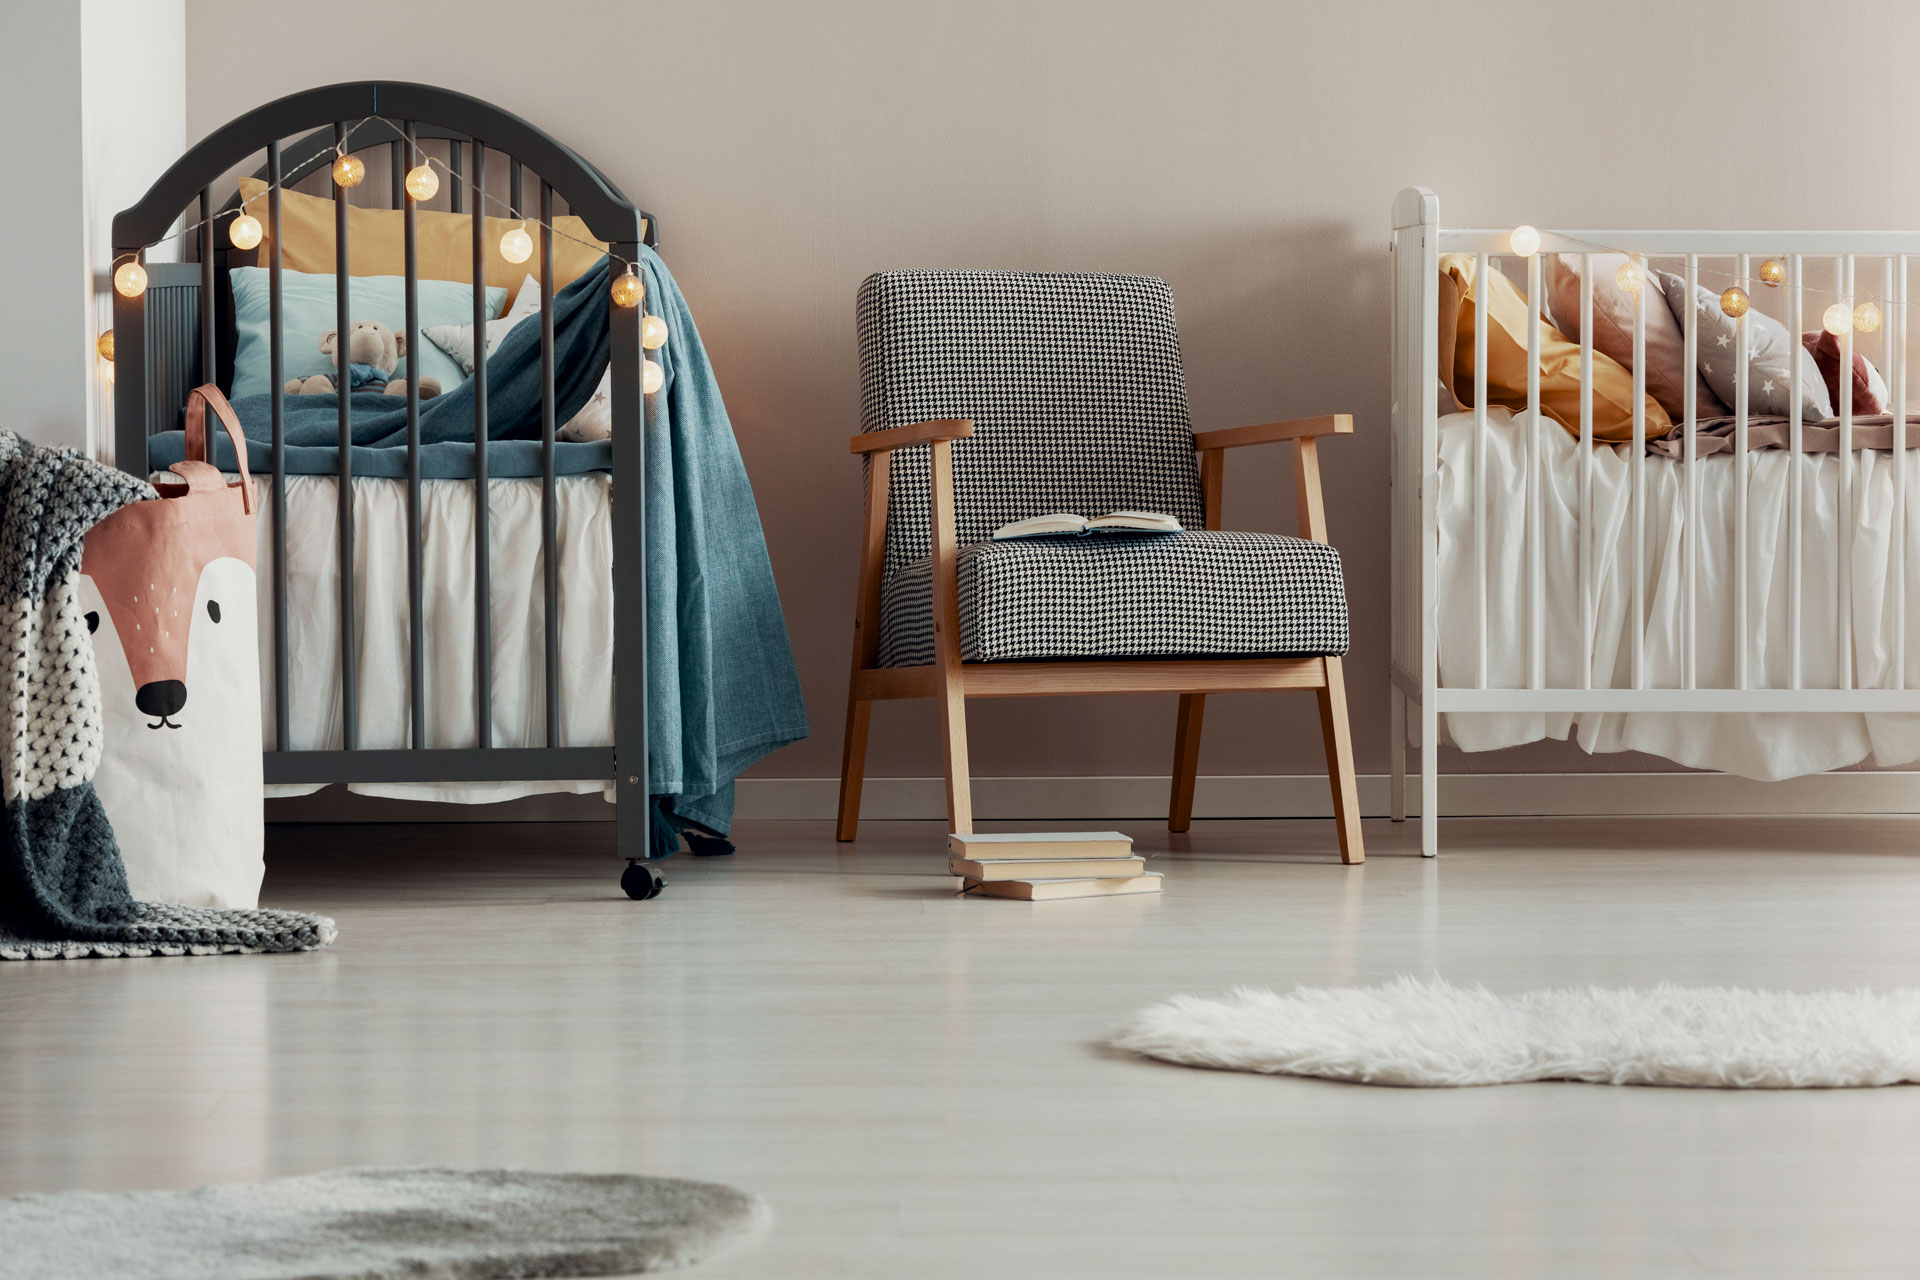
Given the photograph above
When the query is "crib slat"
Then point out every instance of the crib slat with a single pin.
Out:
(457, 189)
(1637, 466)
(416, 587)
(1690, 475)
(1796, 299)
(482, 592)
(514, 195)
(396, 175)
(343, 360)
(208, 370)
(1586, 471)
(549, 513)
(1899, 389)
(629, 568)
(1843, 577)
(1536, 576)
(276, 375)
(1742, 624)
(1480, 291)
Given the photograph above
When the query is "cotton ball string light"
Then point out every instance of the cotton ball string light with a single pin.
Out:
(422, 182)
(348, 171)
(516, 245)
(652, 377)
(1866, 317)
(1772, 273)
(653, 333)
(1837, 319)
(1629, 278)
(1524, 240)
(244, 231)
(1734, 301)
(130, 280)
(627, 290)
(104, 345)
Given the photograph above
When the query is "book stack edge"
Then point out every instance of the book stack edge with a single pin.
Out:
(1049, 865)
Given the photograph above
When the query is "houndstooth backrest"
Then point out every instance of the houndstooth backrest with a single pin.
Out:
(1073, 383)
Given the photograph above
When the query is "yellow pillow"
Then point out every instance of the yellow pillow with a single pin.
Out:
(1507, 359)
(443, 243)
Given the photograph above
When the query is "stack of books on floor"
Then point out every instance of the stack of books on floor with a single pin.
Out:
(1045, 865)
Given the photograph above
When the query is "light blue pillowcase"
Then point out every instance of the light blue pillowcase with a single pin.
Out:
(308, 311)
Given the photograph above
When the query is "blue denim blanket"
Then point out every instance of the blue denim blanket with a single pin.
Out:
(722, 690)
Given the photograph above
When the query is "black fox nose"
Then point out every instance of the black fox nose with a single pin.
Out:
(161, 697)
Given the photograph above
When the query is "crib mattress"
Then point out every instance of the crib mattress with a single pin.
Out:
(1756, 745)
(382, 637)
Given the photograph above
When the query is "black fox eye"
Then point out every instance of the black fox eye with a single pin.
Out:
(213, 610)
(93, 622)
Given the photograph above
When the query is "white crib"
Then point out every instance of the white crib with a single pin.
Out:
(1758, 673)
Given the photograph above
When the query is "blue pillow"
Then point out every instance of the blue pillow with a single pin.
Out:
(308, 311)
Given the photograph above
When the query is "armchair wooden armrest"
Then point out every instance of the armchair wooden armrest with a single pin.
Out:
(1273, 432)
(1304, 433)
(907, 436)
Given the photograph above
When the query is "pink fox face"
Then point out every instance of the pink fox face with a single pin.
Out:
(164, 591)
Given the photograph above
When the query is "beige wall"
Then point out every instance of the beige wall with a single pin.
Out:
(1247, 152)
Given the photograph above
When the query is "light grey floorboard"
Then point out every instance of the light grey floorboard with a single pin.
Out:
(916, 1081)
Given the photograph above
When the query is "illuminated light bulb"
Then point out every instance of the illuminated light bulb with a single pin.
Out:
(422, 182)
(1772, 273)
(516, 245)
(1628, 277)
(653, 333)
(348, 171)
(652, 377)
(130, 281)
(1866, 317)
(244, 231)
(104, 345)
(1837, 319)
(1524, 240)
(627, 290)
(1734, 302)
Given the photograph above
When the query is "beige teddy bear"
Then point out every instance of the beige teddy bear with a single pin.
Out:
(373, 352)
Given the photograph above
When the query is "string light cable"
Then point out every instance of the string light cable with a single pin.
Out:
(422, 182)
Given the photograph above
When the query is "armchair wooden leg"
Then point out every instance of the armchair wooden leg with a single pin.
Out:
(953, 741)
(853, 766)
(1186, 760)
(1346, 794)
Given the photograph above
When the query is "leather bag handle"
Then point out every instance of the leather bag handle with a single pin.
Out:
(198, 400)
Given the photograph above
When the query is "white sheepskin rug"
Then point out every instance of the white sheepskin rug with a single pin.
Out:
(1431, 1033)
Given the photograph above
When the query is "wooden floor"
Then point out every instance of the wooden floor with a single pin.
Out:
(917, 1084)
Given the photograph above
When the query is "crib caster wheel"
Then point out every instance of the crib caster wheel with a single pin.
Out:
(641, 881)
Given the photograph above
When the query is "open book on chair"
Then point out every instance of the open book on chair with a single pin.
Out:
(1065, 522)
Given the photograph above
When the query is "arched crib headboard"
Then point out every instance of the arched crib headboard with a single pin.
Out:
(169, 340)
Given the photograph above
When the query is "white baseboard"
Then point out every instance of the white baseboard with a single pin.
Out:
(1307, 796)
(1510, 795)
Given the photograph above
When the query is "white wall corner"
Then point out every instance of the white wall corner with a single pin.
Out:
(133, 124)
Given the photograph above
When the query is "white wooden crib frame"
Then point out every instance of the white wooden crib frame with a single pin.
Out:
(1418, 242)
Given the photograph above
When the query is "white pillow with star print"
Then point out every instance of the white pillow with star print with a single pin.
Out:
(1771, 349)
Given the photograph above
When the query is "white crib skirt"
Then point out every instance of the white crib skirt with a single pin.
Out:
(1761, 745)
(381, 622)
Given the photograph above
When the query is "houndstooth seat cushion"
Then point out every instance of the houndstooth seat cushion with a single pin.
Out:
(1074, 385)
(1194, 594)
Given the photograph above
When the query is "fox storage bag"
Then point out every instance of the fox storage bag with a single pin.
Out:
(168, 590)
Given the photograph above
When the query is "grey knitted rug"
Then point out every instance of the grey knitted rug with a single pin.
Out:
(63, 887)
(378, 1224)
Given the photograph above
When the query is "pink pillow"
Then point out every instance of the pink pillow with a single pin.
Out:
(1667, 371)
(1869, 388)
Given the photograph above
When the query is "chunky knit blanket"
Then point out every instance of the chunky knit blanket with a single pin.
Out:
(63, 887)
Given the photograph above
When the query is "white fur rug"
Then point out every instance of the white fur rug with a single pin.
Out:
(1431, 1033)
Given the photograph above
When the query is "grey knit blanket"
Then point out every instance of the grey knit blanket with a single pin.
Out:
(63, 887)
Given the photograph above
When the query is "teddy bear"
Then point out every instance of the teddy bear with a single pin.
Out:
(373, 352)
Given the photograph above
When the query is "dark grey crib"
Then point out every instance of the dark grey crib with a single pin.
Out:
(170, 339)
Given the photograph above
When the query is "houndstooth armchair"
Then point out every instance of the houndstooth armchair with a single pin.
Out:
(989, 397)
